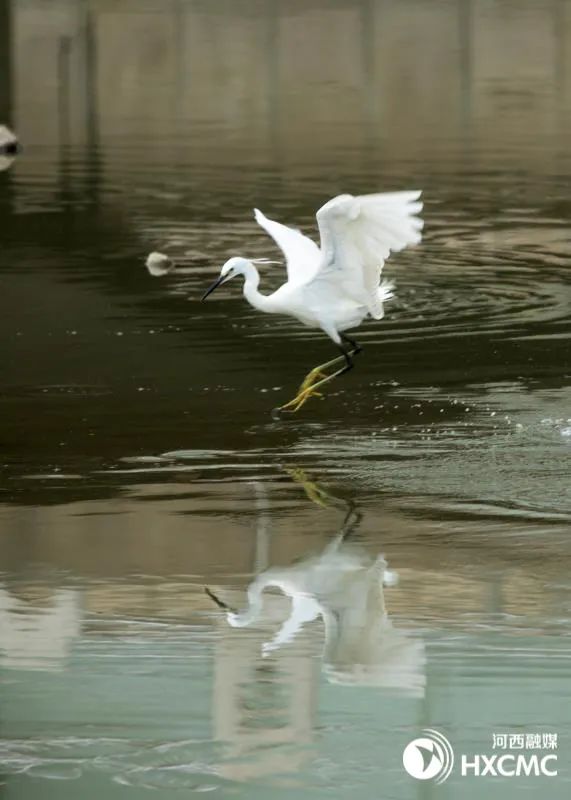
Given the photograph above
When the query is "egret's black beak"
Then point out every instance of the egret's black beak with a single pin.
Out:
(214, 286)
(220, 603)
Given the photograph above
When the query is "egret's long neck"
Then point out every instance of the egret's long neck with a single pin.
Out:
(251, 293)
(255, 603)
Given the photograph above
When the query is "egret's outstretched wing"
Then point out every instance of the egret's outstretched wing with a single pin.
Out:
(358, 234)
(301, 253)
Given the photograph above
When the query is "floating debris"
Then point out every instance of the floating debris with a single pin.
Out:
(9, 147)
(159, 264)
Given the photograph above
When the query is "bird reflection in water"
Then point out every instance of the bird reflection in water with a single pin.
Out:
(344, 586)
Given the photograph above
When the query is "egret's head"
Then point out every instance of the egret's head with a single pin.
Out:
(234, 266)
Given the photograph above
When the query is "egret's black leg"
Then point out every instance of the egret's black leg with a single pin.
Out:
(348, 360)
(354, 350)
(355, 346)
(351, 521)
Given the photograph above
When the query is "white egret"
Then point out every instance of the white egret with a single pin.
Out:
(334, 286)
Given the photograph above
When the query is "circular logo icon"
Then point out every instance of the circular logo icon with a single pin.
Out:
(430, 757)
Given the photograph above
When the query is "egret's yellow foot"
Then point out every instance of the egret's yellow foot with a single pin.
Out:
(318, 373)
(297, 474)
(313, 490)
(310, 379)
(317, 377)
(302, 397)
(299, 400)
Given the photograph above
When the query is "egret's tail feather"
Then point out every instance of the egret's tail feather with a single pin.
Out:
(386, 290)
(385, 293)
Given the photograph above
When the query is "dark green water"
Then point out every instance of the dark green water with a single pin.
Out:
(140, 460)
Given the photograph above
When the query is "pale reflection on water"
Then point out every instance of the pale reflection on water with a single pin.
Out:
(141, 678)
(38, 638)
(344, 587)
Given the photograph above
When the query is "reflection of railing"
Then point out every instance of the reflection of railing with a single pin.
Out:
(139, 69)
(256, 705)
(5, 63)
(38, 638)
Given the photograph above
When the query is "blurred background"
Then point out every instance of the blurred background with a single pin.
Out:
(140, 460)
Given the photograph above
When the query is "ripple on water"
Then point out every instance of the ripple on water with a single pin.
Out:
(470, 277)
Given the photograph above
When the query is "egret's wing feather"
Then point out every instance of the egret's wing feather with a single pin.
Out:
(357, 236)
(301, 253)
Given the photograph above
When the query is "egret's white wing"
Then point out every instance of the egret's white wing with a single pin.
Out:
(301, 253)
(358, 234)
